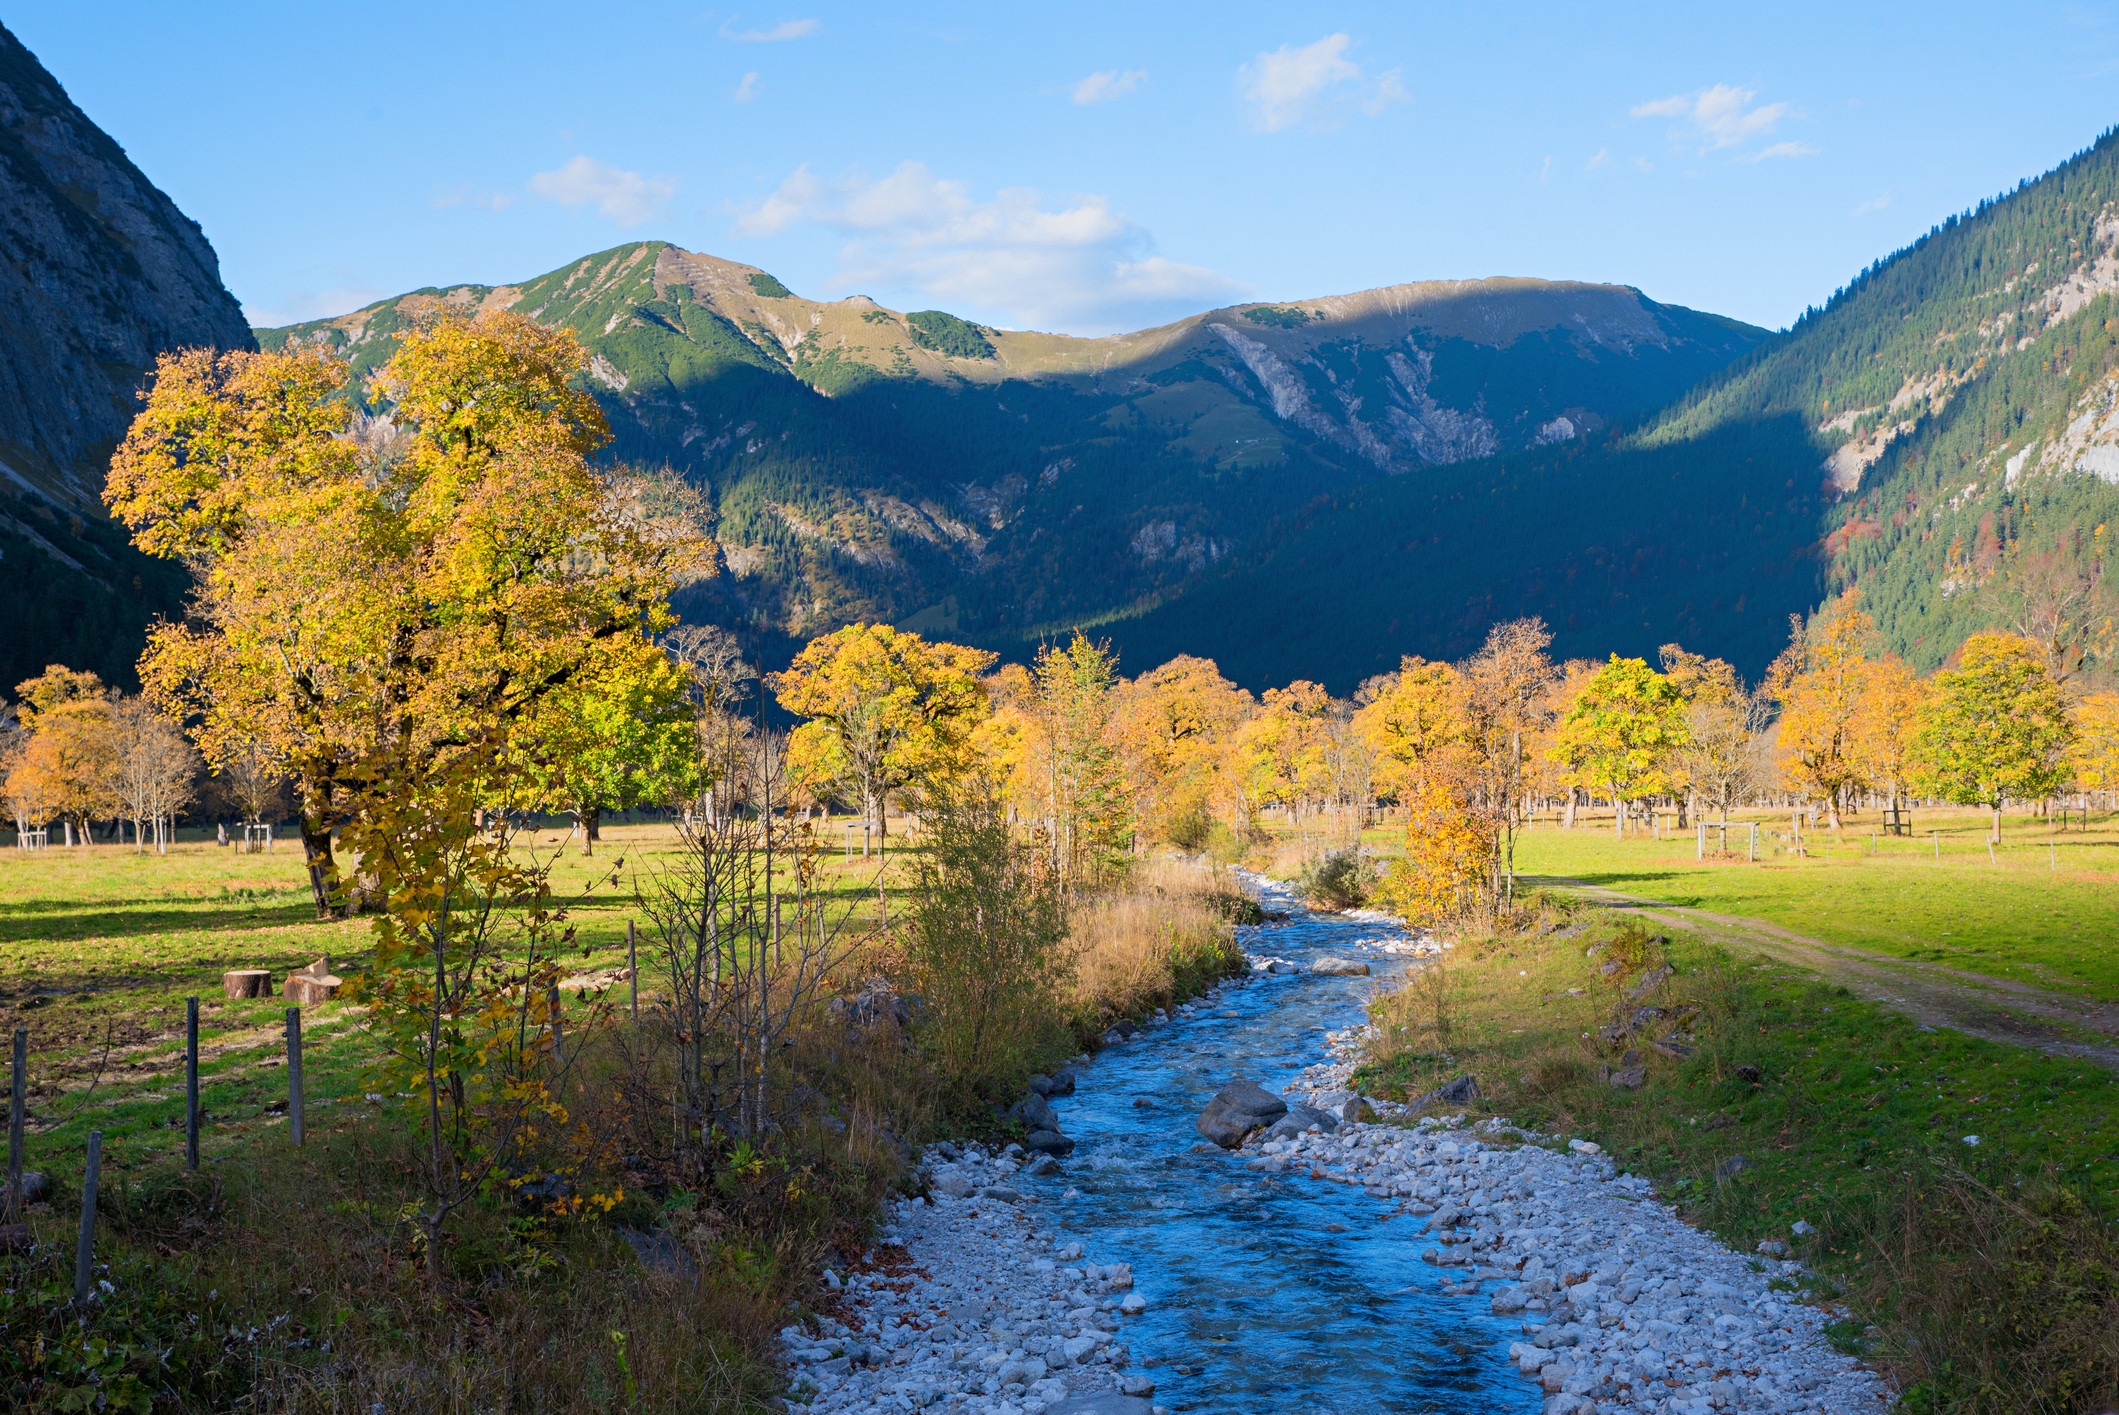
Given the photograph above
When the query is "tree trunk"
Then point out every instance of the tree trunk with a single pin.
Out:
(590, 821)
(1618, 812)
(1573, 795)
(1997, 820)
(316, 850)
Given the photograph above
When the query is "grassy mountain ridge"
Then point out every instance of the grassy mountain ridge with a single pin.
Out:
(920, 468)
(1944, 428)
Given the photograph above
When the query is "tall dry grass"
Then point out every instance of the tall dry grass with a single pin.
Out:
(1164, 935)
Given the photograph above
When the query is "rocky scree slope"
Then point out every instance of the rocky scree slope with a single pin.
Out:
(917, 468)
(104, 273)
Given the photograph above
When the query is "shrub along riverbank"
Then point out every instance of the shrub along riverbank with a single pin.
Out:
(606, 1265)
(1954, 1196)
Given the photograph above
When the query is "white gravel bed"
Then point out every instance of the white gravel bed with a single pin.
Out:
(1623, 1307)
(967, 1306)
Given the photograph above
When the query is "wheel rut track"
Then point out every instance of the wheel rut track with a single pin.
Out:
(1996, 1009)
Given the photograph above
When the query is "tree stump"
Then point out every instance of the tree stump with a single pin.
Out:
(246, 982)
(313, 984)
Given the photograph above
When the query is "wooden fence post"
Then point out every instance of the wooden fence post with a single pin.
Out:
(632, 967)
(16, 1105)
(85, 1249)
(191, 1083)
(294, 1073)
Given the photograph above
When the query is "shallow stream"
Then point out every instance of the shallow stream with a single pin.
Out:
(1265, 1293)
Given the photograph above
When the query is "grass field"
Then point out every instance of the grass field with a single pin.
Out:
(1802, 1102)
(99, 946)
(2044, 910)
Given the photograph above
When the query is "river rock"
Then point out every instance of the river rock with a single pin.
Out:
(955, 1185)
(1237, 1109)
(1461, 1092)
(1036, 1112)
(1356, 1112)
(1654, 978)
(1299, 1119)
(1103, 1402)
(1048, 1142)
(1339, 967)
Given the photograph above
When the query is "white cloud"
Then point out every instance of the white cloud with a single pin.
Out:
(624, 197)
(748, 89)
(1078, 266)
(1107, 84)
(1545, 172)
(465, 196)
(301, 306)
(1603, 158)
(1313, 84)
(1876, 204)
(1783, 149)
(1717, 117)
(786, 29)
(1389, 88)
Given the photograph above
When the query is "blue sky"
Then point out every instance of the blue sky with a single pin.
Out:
(1090, 167)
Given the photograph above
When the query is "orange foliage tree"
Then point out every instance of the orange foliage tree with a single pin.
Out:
(1821, 680)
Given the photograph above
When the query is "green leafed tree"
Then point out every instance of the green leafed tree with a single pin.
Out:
(1622, 732)
(613, 738)
(1995, 726)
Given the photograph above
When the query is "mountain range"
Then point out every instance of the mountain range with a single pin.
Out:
(1307, 488)
(1942, 435)
(990, 484)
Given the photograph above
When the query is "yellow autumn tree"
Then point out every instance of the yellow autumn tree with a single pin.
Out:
(1718, 762)
(2097, 745)
(1412, 720)
(1277, 757)
(65, 767)
(387, 614)
(1070, 772)
(1171, 725)
(1884, 726)
(886, 709)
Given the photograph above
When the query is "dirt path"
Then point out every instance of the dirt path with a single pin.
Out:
(1994, 1008)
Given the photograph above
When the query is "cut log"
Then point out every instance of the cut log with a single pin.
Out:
(304, 991)
(247, 982)
(313, 984)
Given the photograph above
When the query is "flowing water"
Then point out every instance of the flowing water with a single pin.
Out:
(1278, 1294)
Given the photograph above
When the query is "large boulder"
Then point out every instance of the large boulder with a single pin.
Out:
(1238, 1109)
(1340, 967)
(1036, 1112)
(1048, 1142)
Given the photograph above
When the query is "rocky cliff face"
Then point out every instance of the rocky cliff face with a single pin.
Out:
(103, 272)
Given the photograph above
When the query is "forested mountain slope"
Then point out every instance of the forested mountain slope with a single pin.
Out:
(102, 273)
(917, 468)
(1943, 434)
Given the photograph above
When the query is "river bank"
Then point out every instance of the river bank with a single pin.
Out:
(1445, 1270)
